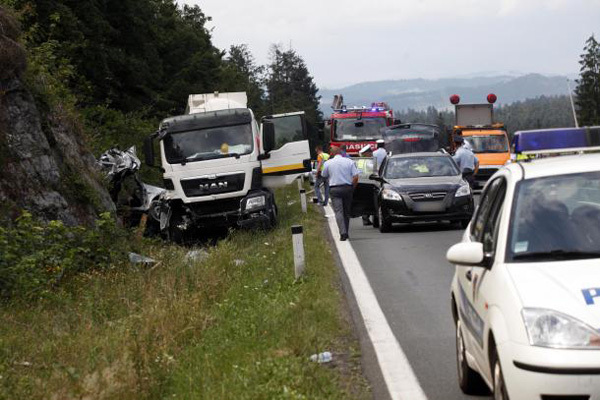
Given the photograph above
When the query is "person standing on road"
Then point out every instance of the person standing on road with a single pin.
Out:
(320, 180)
(344, 151)
(380, 153)
(466, 143)
(365, 153)
(343, 178)
(467, 162)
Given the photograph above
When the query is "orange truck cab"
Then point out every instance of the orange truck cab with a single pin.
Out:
(488, 140)
(491, 146)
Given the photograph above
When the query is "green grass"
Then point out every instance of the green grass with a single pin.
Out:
(235, 325)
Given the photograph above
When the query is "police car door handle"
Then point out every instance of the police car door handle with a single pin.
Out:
(469, 275)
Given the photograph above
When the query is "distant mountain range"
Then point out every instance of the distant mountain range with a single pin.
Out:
(419, 94)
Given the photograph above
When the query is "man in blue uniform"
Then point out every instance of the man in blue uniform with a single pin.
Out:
(343, 178)
(467, 162)
(380, 153)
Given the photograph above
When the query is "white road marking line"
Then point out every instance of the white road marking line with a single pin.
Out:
(399, 377)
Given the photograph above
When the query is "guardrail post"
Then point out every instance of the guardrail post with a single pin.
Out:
(298, 243)
(303, 200)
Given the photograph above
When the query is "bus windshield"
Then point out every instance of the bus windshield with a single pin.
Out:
(358, 129)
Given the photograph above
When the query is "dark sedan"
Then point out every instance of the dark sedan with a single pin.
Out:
(416, 187)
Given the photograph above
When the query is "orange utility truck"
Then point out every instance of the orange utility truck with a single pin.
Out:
(488, 140)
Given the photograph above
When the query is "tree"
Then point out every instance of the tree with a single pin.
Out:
(127, 54)
(240, 73)
(588, 85)
(290, 87)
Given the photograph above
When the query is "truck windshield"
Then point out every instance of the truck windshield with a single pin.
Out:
(358, 129)
(488, 143)
(208, 144)
(556, 218)
(419, 167)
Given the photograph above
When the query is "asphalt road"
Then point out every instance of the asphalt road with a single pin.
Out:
(411, 278)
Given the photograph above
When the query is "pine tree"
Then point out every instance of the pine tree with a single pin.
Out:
(588, 86)
(290, 87)
(240, 73)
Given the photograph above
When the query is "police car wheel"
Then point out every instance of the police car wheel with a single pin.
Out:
(468, 380)
(499, 385)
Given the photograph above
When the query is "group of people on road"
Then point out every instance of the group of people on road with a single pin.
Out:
(338, 175)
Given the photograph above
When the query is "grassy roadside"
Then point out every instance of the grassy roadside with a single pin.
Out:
(233, 324)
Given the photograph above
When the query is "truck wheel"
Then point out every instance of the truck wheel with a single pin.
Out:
(384, 223)
(174, 233)
(273, 216)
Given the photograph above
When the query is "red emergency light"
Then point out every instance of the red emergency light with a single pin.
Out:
(491, 98)
(455, 99)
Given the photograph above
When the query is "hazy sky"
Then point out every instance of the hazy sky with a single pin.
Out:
(352, 41)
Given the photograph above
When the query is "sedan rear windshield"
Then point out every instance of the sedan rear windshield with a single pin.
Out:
(418, 167)
(556, 218)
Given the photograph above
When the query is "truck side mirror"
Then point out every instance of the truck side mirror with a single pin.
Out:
(149, 151)
(268, 136)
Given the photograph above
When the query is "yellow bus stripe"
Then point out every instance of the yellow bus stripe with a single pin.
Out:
(283, 168)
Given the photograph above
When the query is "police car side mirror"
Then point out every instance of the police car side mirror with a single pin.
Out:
(467, 254)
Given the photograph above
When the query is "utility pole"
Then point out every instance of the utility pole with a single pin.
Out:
(572, 104)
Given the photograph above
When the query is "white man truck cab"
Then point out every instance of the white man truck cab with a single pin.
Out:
(219, 165)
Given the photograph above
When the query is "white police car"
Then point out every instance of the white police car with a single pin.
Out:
(526, 289)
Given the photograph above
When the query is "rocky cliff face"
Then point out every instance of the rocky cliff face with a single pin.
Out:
(44, 166)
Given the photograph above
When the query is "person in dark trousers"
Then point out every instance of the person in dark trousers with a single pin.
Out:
(380, 153)
(320, 180)
(467, 162)
(344, 151)
(364, 153)
(343, 178)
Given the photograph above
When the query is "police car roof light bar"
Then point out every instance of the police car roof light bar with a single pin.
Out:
(559, 140)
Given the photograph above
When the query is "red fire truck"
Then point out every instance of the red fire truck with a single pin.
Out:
(357, 126)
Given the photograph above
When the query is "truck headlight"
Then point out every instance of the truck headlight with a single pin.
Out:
(255, 202)
(463, 190)
(389, 194)
(549, 328)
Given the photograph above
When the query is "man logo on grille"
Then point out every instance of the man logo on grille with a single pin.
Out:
(211, 186)
(428, 195)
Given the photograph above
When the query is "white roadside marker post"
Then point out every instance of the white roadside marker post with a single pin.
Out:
(303, 200)
(300, 182)
(298, 243)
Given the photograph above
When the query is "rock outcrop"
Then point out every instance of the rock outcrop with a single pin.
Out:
(44, 165)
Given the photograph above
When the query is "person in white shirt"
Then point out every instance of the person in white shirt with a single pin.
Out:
(343, 178)
(467, 162)
(380, 154)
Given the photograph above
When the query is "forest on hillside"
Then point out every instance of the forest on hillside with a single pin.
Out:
(121, 66)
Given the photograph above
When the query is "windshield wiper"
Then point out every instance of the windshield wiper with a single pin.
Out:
(558, 254)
